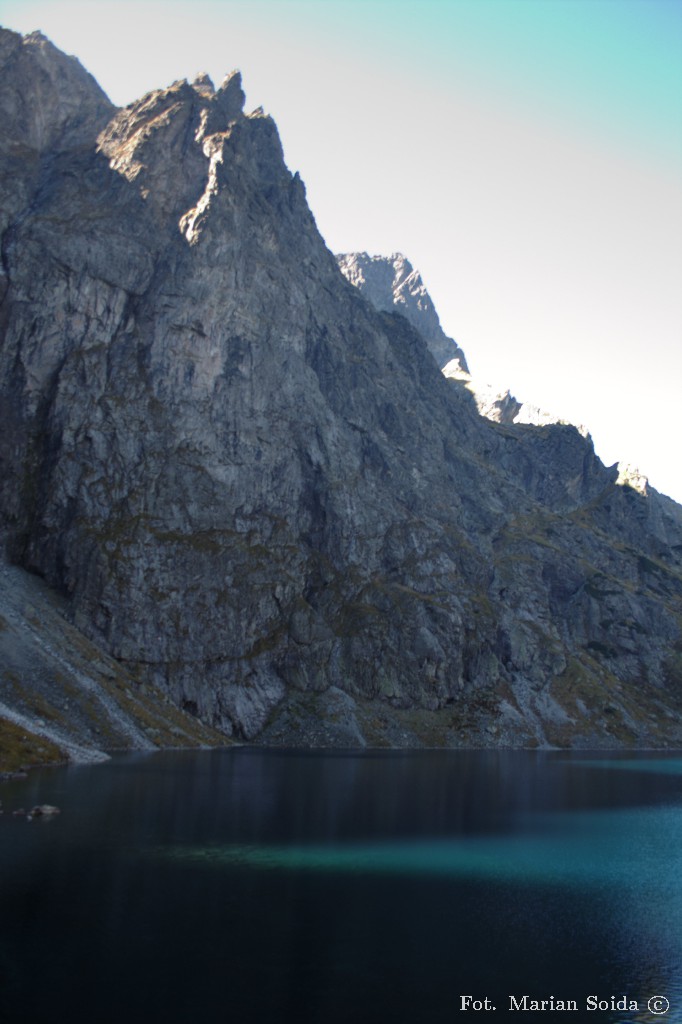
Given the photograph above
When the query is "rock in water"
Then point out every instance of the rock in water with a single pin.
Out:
(261, 493)
(44, 811)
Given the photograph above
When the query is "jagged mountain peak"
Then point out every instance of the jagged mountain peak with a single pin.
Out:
(177, 144)
(48, 100)
(229, 99)
(259, 493)
(391, 283)
(203, 83)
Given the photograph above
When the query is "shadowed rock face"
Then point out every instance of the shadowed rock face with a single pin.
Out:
(390, 283)
(259, 492)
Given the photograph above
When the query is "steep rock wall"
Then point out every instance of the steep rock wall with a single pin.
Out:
(255, 490)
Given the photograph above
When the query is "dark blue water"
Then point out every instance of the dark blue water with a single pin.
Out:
(263, 886)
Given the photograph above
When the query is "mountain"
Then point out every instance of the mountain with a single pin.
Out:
(63, 696)
(391, 283)
(258, 494)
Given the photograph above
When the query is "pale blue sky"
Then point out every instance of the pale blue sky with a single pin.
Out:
(525, 155)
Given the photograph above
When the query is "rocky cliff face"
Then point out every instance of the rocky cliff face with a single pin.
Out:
(260, 494)
(62, 697)
(391, 284)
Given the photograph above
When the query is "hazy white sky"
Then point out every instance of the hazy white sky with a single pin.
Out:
(525, 155)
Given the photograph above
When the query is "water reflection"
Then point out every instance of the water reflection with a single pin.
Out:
(335, 887)
(634, 858)
(624, 849)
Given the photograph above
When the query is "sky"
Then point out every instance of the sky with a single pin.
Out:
(524, 155)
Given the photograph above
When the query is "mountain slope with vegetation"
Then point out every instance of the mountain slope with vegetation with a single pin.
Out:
(256, 494)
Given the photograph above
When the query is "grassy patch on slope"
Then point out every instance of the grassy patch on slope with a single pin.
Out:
(19, 748)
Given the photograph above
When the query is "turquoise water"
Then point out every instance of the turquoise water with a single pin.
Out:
(289, 886)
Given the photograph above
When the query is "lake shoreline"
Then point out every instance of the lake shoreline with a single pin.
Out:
(12, 768)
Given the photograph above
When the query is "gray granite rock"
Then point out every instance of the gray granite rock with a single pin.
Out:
(391, 283)
(260, 494)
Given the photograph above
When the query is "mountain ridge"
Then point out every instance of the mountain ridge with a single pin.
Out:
(391, 283)
(259, 494)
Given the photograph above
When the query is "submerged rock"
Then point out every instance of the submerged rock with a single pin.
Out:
(44, 811)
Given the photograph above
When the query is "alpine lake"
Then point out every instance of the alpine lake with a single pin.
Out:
(256, 885)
